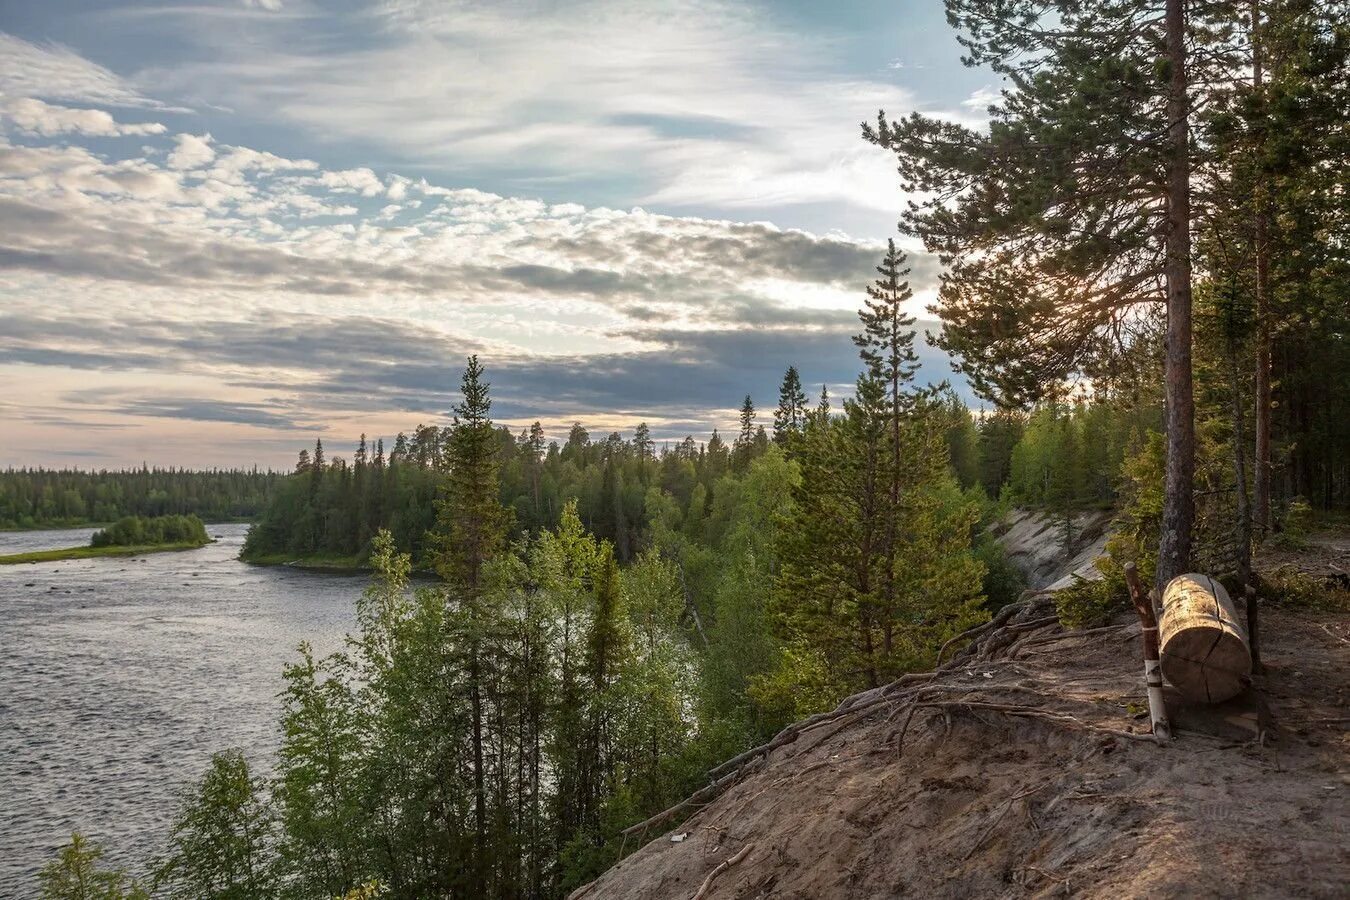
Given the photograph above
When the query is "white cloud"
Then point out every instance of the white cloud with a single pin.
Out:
(981, 99)
(35, 117)
(192, 152)
(58, 73)
(353, 181)
(697, 102)
(269, 5)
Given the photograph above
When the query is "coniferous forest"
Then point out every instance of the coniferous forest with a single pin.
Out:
(59, 498)
(1147, 287)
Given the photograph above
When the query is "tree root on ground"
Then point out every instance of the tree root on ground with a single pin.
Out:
(720, 868)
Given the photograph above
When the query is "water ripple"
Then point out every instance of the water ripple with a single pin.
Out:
(120, 677)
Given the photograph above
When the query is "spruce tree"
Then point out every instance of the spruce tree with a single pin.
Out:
(790, 417)
(743, 448)
(470, 531)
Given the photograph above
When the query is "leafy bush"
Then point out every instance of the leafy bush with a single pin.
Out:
(1003, 581)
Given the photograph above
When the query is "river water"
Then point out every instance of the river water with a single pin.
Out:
(119, 677)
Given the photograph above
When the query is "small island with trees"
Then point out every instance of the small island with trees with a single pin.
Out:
(128, 536)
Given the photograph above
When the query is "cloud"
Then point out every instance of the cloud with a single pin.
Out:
(55, 72)
(361, 365)
(233, 287)
(982, 99)
(692, 103)
(192, 151)
(353, 181)
(269, 5)
(37, 118)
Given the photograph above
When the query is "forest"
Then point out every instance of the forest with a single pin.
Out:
(1146, 285)
(61, 498)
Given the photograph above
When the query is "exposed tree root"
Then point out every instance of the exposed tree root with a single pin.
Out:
(719, 869)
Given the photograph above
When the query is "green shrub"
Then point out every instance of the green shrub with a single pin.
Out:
(1289, 587)
(1297, 523)
(1088, 603)
(75, 875)
(1003, 581)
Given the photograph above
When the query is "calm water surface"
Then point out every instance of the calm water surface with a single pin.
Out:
(119, 677)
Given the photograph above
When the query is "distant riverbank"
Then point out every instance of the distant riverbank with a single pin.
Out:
(39, 556)
(75, 526)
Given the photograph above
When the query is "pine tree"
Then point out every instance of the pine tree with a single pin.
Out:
(790, 417)
(1070, 217)
(643, 443)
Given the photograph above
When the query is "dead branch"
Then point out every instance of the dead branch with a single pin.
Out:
(719, 869)
(697, 798)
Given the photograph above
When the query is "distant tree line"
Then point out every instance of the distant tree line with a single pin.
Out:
(53, 498)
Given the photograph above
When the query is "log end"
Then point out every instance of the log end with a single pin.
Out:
(1205, 654)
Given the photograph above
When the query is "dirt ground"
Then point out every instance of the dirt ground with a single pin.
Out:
(1022, 768)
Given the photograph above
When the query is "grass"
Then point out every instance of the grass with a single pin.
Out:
(37, 556)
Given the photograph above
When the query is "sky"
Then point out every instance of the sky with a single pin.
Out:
(229, 227)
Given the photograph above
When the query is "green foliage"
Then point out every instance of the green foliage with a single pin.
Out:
(1090, 602)
(1003, 582)
(1299, 590)
(139, 531)
(223, 841)
(75, 875)
(876, 568)
(1296, 524)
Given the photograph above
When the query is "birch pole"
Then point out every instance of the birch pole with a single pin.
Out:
(1157, 713)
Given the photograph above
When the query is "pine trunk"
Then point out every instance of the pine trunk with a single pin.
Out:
(1244, 508)
(1261, 481)
(1178, 515)
(479, 792)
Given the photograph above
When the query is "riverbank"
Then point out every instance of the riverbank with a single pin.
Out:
(62, 553)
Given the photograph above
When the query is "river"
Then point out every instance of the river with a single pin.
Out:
(120, 676)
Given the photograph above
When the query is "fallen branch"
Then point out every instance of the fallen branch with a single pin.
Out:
(1000, 618)
(1033, 713)
(697, 798)
(719, 869)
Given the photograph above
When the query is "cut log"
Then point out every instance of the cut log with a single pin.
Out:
(1205, 654)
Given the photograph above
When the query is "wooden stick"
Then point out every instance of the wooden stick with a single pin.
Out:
(1157, 713)
(719, 869)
